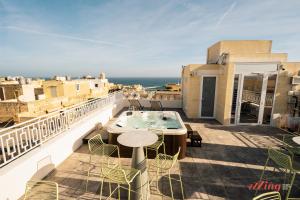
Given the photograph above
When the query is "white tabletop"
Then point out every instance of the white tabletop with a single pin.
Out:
(296, 139)
(137, 138)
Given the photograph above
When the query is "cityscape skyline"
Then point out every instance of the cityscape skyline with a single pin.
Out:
(133, 39)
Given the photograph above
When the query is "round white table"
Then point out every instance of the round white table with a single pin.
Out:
(296, 139)
(138, 140)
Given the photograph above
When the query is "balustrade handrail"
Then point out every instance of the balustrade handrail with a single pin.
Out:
(255, 97)
(17, 140)
(54, 112)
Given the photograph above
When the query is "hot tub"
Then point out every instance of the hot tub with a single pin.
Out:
(169, 122)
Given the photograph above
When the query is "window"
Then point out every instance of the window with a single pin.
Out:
(77, 87)
(2, 94)
(53, 91)
(17, 94)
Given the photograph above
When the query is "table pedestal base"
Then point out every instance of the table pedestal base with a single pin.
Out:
(139, 162)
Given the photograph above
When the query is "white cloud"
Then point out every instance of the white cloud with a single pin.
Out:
(227, 12)
(69, 37)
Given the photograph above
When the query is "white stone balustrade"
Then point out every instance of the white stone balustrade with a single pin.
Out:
(17, 140)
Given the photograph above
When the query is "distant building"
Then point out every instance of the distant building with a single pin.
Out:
(243, 82)
(174, 87)
(166, 95)
(23, 99)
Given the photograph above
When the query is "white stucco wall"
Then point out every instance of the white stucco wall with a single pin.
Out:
(28, 93)
(39, 162)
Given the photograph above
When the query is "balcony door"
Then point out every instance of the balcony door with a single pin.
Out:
(253, 98)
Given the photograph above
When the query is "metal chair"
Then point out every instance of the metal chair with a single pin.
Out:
(268, 196)
(37, 190)
(156, 105)
(120, 176)
(160, 142)
(135, 104)
(163, 164)
(98, 147)
(284, 161)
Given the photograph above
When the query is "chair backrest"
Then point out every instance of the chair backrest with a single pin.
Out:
(95, 143)
(159, 133)
(117, 174)
(41, 190)
(268, 196)
(135, 103)
(281, 159)
(156, 105)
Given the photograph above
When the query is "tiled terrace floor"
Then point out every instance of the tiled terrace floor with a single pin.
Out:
(231, 158)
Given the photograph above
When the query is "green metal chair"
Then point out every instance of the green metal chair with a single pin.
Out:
(268, 196)
(159, 143)
(284, 161)
(98, 147)
(38, 190)
(163, 164)
(120, 176)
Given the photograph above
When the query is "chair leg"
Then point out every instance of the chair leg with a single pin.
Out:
(262, 174)
(285, 173)
(170, 182)
(109, 184)
(157, 177)
(181, 185)
(146, 150)
(119, 192)
(161, 175)
(141, 188)
(107, 160)
(290, 186)
(101, 188)
(129, 191)
(148, 189)
(119, 162)
(88, 175)
(164, 146)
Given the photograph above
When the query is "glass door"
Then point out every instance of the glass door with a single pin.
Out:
(250, 98)
(270, 92)
(254, 99)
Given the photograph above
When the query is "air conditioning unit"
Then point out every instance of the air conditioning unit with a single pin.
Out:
(295, 80)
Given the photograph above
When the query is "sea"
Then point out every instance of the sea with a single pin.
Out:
(148, 83)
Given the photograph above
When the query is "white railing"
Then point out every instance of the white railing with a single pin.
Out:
(251, 96)
(22, 138)
(254, 97)
(269, 99)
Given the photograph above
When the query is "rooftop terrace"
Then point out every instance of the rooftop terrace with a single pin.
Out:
(230, 159)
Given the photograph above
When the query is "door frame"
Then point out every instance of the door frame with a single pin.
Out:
(215, 99)
(262, 98)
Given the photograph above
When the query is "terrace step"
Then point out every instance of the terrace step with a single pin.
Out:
(196, 139)
(189, 130)
(103, 132)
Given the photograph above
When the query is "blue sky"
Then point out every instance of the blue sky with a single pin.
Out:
(134, 38)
